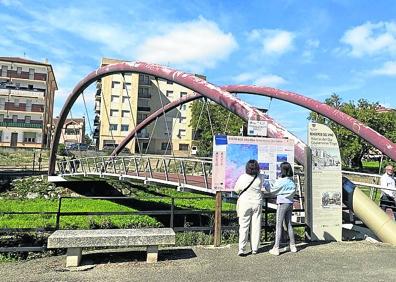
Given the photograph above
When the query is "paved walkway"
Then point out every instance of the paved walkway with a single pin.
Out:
(347, 261)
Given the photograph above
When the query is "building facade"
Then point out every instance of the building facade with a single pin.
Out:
(27, 90)
(123, 101)
(73, 131)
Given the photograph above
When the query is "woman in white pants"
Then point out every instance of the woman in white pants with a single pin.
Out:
(249, 207)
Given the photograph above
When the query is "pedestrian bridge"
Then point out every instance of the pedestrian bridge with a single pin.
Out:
(190, 173)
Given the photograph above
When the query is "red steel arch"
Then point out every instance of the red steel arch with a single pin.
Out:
(190, 81)
(373, 137)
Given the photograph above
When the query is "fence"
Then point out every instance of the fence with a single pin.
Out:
(172, 212)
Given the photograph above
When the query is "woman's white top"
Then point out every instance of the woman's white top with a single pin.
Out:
(253, 193)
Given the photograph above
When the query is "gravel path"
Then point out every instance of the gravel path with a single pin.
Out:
(346, 261)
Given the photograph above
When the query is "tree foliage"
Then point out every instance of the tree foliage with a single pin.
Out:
(221, 120)
(87, 139)
(352, 147)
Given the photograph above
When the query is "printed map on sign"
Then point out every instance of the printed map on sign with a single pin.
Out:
(230, 154)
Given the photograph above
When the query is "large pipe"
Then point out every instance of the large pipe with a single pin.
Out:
(369, 213)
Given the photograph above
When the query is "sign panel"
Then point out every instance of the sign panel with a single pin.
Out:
(325, 201)
(231, 153)
(257, 128)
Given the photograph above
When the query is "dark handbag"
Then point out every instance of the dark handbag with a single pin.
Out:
(244, 190)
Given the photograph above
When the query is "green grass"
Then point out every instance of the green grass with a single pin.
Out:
(197, 201)
(152, 196)
(23, 158)
(72, 222)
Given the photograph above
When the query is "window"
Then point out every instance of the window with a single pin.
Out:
(169, 93)
(16, 102)
(143, 103)
(19, 70)
(124, 127)
(182, 120)
(144, 79)
(114, 99)
(169, 82)
(183, 147)
(2, 103)
(113, 126)
(126, 114)
(4, 71)
(29, 137)
(17, 85)
(127, 85)
(1, 136)
(114, 113)
(115, 84)
(141, 117)
(182, 94)
(182, 133)
(183, 107)
(144, 92)
(31, 74)
(14, 118)
(27, 119)
(28, 105)
(72, 131)
(165, 146)
(125, 99)
(145, 145)
(1, 117)
(30, 86)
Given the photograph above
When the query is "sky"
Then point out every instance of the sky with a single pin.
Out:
(313, 48)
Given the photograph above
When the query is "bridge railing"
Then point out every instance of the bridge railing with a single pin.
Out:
(184, 171)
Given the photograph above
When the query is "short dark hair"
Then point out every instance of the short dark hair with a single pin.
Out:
(286, 169)
(252, 167)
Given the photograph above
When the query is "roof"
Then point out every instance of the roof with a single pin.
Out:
(382, 109)
(70, 120)
(22, 61)
(31, 62)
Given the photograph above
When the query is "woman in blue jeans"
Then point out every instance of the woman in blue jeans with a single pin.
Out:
(284, 189)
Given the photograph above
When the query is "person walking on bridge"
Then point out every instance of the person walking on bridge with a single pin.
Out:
(388, 197)
(249, 207)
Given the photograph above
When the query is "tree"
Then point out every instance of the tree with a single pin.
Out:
(87, 139)
(352, 147)
(221, 119)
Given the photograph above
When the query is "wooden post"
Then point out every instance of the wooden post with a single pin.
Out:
(217, 220)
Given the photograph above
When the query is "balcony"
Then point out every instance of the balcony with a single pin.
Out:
(144, 96)
(144, 109)
(144, 135)
(22, 92)
(96, 121)
(20, 124)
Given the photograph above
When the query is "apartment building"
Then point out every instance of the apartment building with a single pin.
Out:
(73, 130)
(122, 102)
(27, 90)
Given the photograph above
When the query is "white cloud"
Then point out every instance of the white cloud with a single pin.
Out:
(388, 69)
(273, 41)
(259, 79)
(371, 39)
(246, 76)
(270, 80)
(197, 44)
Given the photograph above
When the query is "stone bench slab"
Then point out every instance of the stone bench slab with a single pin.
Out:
(111, 238)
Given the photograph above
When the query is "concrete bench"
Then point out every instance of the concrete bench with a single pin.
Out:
(75, 240)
